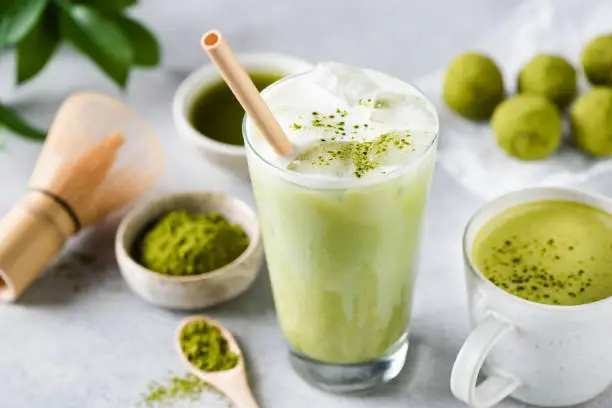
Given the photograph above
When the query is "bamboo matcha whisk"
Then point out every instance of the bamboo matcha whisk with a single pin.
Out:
(97, 158)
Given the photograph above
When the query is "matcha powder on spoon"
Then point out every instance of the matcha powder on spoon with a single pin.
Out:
(183, 244)
(206, 348)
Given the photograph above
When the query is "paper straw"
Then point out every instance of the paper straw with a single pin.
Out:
(245, 91)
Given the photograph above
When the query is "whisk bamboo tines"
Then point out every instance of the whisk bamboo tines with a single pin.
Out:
(87, 170)
(78, 181)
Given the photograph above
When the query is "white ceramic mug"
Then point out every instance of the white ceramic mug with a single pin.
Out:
(545, 355)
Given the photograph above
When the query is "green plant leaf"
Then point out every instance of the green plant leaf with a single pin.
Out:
(2, 144)
(109, 5)
(36, 49)
(17, 17)
(12, 121)
(100, 39)
(145, 48)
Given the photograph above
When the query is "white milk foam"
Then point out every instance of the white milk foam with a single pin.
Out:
(335, 105)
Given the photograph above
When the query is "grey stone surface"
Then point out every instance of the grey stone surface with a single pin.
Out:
(100, 346)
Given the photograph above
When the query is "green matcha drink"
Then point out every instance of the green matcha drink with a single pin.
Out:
(553, 252)
(341, 218)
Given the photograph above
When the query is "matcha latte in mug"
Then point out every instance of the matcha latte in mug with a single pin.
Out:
(341, 218)
(539, 280)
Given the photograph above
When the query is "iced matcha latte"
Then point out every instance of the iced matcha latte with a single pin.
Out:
(341, 218)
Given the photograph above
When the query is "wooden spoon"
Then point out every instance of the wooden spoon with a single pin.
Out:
(233, 383)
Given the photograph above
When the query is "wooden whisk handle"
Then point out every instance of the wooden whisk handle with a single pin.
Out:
(31, 235)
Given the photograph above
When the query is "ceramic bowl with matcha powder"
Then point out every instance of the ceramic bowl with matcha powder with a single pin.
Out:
(189, 251)
(209, 118)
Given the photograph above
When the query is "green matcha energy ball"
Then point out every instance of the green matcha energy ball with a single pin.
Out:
(551, 77)
(527, 126)
(597, 60)
(473, 86)
(591, 119)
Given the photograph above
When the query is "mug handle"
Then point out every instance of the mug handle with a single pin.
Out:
(469, 362)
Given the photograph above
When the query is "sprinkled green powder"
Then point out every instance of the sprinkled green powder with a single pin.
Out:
(363, 157)
(189, 244)
(360, 156)
(341, 112)
(541, 251)
(175, 389)
(206, 348)
(367, 103)
(329, 123)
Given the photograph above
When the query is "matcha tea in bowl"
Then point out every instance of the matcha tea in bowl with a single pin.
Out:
(341, 218)
(209, 118)
(539, 280)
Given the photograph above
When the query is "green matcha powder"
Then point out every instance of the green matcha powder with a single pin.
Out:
(188, 387)
(206, 348)
(182, 244)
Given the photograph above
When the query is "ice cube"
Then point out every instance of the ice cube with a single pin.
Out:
(410, 112)
(388, 100)
(343, 158)
(328, 157)
(350, 84)
(392, 148)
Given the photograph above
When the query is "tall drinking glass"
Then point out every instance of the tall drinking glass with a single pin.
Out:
(342, 254)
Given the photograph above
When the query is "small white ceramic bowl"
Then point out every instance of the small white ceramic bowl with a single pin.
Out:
(197, 291)
(228, 156)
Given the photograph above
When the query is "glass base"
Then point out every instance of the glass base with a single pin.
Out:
(352, 378)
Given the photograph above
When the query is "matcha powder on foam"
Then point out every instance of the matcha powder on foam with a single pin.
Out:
(183, 244)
